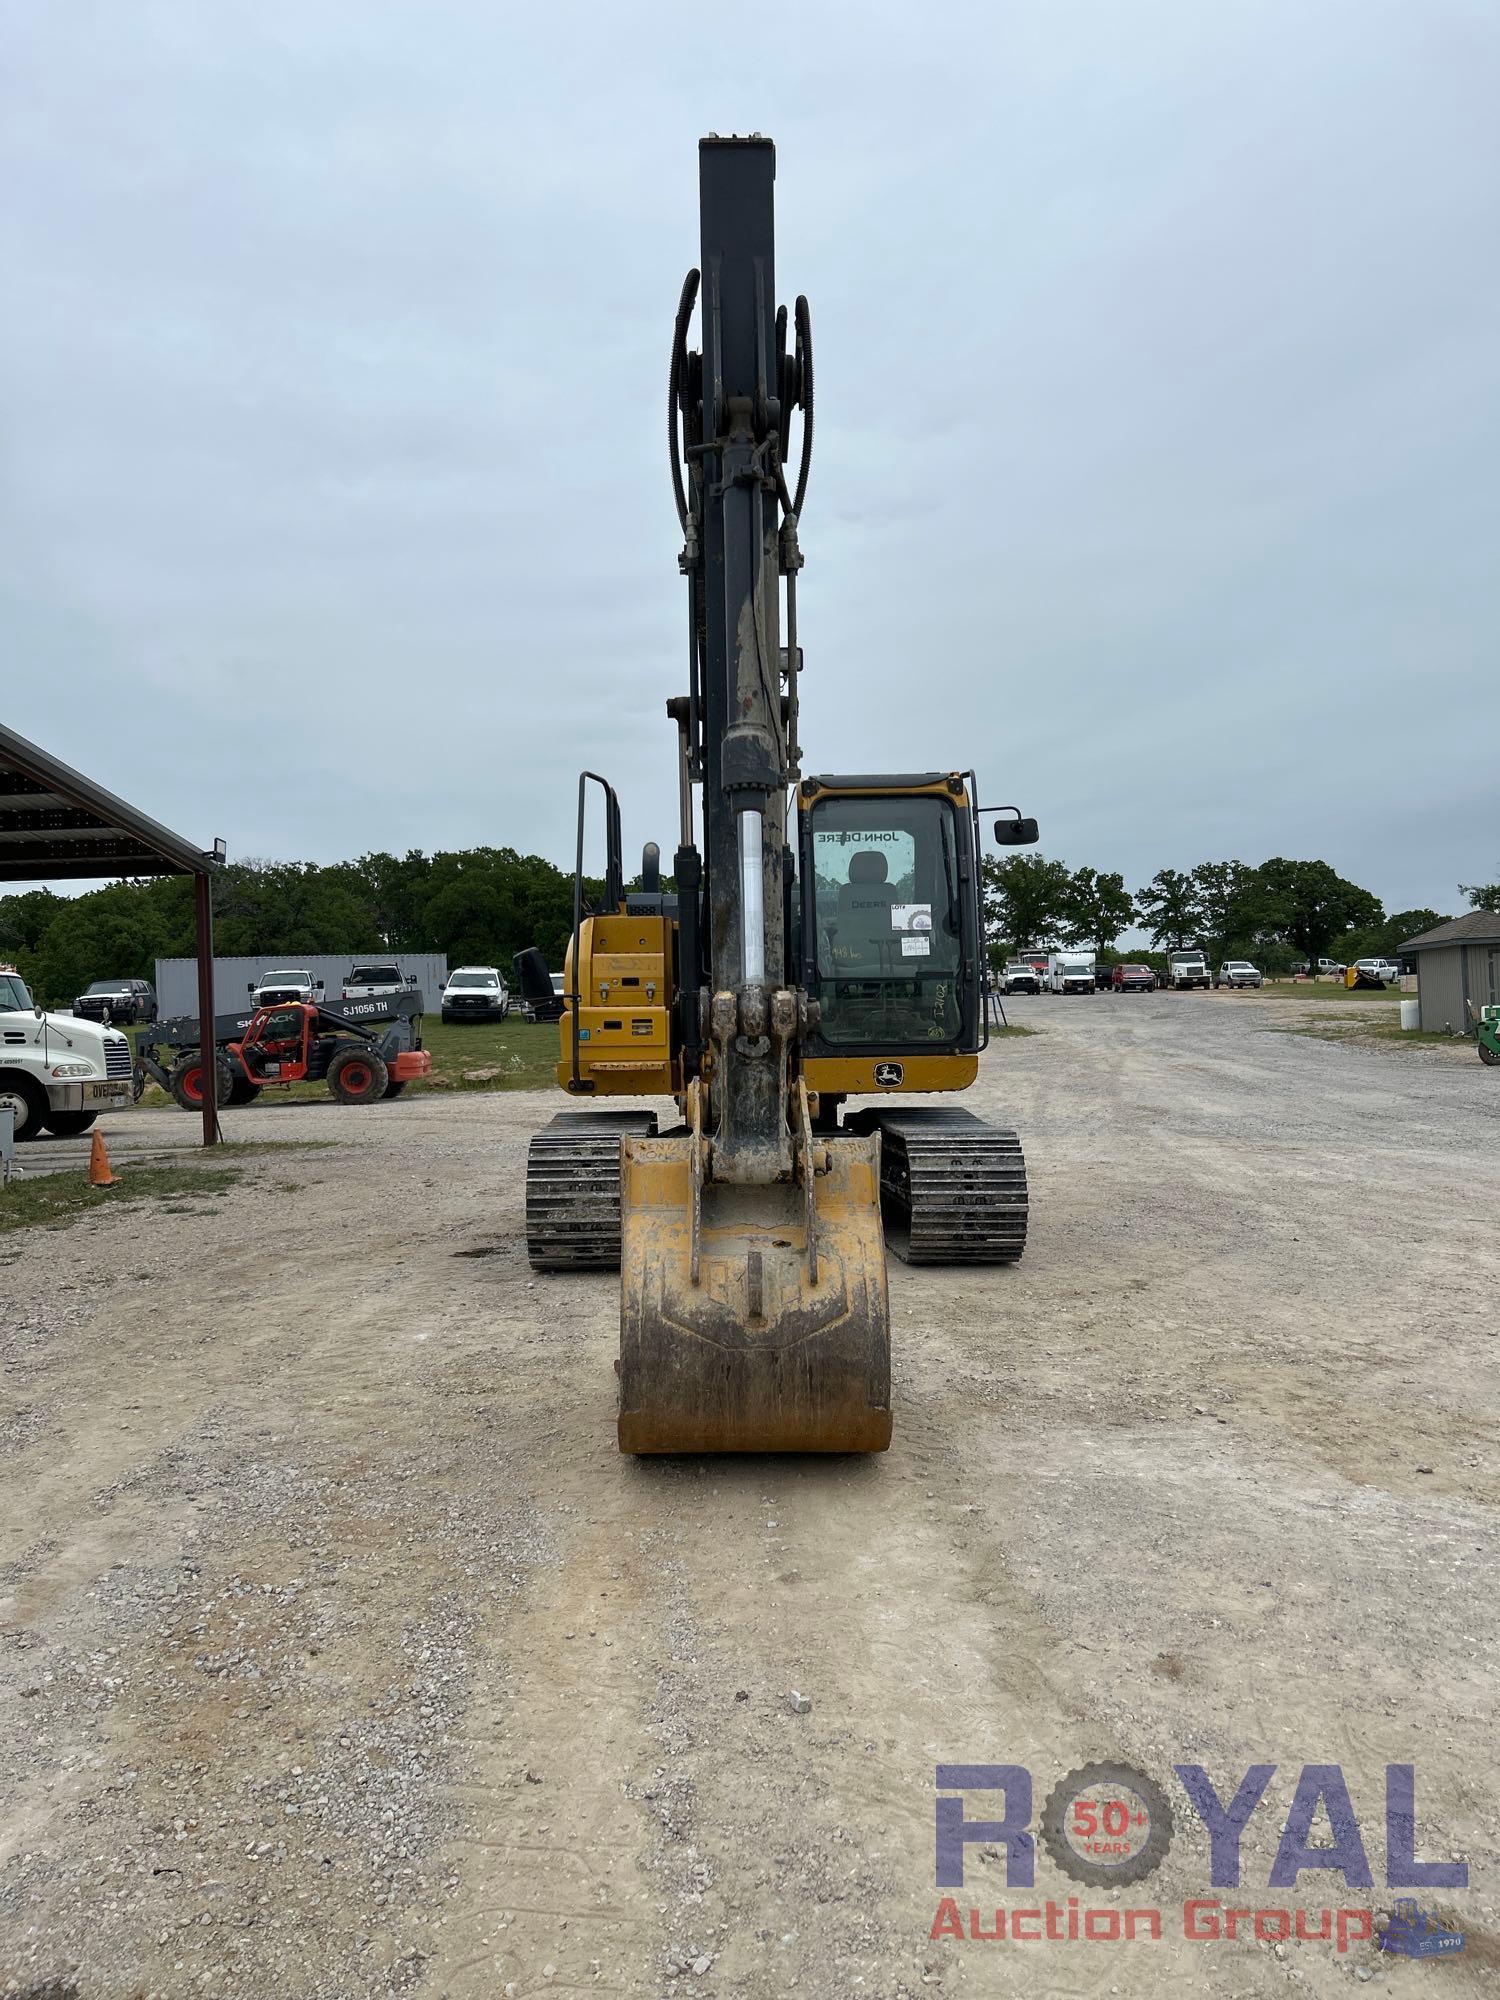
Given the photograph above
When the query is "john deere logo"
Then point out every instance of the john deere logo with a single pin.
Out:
(888, 1075)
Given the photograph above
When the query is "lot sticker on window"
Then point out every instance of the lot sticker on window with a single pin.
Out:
(911, 916)
(915, 946)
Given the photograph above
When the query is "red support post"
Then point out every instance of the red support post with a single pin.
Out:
(207, 1048)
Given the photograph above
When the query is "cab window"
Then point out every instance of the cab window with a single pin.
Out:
(282, 1028)
(886, 919)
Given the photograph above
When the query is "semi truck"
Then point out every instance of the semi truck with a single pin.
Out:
(1187, 968)
(57, 1071)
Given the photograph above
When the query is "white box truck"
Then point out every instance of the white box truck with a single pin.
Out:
(1071, 972)
(58, 1071)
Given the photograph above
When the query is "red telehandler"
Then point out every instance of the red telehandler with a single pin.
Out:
(296, 1042)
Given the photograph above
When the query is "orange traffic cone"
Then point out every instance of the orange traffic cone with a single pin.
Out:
(99, 1173)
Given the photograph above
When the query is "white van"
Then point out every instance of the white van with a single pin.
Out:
(1071, 972)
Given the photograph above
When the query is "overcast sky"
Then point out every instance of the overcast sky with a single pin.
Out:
(1158, 412)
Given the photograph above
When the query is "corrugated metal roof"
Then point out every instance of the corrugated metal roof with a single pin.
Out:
(1478, 927)
(58, 825)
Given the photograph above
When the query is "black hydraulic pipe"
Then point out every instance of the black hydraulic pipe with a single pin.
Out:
(674, 389)
(805, 390)
(688, 870)
(613, 887)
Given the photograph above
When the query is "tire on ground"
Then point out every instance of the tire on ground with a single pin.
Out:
(243, 1091)
(28, 1101)
(395, 1088)
(186, 1082)
(358, 1076)
(68, 1124)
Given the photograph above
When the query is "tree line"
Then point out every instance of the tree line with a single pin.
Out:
(1275, 913)
(484, 904)
(480, 906)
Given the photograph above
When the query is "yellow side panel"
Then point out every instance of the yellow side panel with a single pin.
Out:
(854, 1076)
(625, 1008)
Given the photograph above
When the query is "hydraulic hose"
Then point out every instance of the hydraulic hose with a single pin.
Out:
(805, 375)
(685, 306)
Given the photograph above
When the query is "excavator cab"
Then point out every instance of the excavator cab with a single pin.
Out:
(891, 933)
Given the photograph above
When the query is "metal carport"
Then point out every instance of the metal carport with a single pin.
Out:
(58, 825)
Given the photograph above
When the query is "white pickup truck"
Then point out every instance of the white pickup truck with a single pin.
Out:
(58, 1071)
(274, 989)
(375, 979)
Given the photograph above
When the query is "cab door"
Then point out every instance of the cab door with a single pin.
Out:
(890, 932)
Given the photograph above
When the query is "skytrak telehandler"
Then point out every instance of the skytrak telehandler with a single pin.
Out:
(294, 1041)
(806, 958)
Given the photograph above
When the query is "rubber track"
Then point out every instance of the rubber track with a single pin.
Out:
(573, 1189)
(952, 1194)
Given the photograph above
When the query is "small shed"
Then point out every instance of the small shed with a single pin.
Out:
(1458, 971)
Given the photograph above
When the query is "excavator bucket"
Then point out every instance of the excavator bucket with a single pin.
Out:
(752, 1318)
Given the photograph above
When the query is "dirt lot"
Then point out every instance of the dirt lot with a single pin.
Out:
(343, 1656)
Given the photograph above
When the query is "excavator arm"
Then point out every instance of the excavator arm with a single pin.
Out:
(754, 1312)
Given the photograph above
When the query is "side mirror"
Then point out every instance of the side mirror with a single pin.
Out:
(249, 985)
(317, 986)
(1015, 832)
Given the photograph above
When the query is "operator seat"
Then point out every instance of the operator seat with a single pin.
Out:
(863, 944)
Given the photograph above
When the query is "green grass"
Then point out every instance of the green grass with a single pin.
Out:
(237, 1147)
(524, 1051)
(1373, 1019)
(1367, 1033)
(1292, 989)
(1011, 1028)
(52, 1201)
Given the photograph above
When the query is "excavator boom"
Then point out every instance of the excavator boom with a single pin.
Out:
(754, 1313)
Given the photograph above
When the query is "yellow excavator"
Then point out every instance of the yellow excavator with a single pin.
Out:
(799, 959)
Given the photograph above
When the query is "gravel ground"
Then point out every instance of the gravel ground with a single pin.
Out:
(342, 1655)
